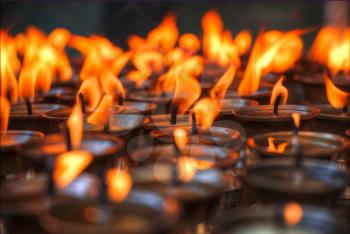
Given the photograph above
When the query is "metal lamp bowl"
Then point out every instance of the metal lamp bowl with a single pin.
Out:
(312, 145)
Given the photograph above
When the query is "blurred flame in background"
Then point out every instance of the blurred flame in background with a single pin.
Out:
(4, 114)
(292, 213)
(75, 125)
(331, 48)
(206, 110)
(69, 165)
(119, 182)
(336, 97)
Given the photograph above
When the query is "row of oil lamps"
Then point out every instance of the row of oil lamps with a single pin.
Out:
(136, 129)
(150, 167)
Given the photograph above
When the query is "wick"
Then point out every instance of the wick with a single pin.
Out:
(120, 100)
(82, 102)
(106, 127)
(194, 124)
(50, 180)
(174, 109)
(345, 109)
(29, 107)
(276, 104)
(67, 138)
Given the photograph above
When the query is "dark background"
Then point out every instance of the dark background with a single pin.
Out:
(118, 19)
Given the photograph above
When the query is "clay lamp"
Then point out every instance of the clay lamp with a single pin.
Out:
(290, 217)
(274, 117)
(11, 141)
(334, 118)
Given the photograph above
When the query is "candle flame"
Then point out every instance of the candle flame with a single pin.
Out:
(75, 125)
(218, 45)
(189, 41)
(119, 183)
(101, 115)
(293, 213)
(7, 75)
(272, 51)
(296, 119)
(272, 148)
(111, 85)
(165, 34)
(206, 110)
(243, 41)
(220, 88)
(180, 137)
(4, 114)
(331, 47)
(279, 89)
(69, 165)
(90, 88)
(187, 168)
(336, 97)
(187, 91)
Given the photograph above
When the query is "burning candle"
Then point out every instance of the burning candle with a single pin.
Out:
(274, 116)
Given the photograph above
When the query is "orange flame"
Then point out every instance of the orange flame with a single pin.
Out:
(59, 38)
(272, 148)
(75, 125)
(206, 110)
(165, 34)
(191, 67)
(187, 91)
(336, 97)
(220, 88)
(218, 45)
(4, 114)
(9, 48)
(338, 57)
(273, 51)
(187, 168)
(135, 42)
(293, 213)
(148, 60)
(118, 64)
(69, 165)
(180, 137)
(101, 114)
(243, 41)
(91, 90)
(26, 83)
(8, 78)
(189, 41)
(296, 119)
(279, 89)
(119, 183)
(137, 76)
(111, 85)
